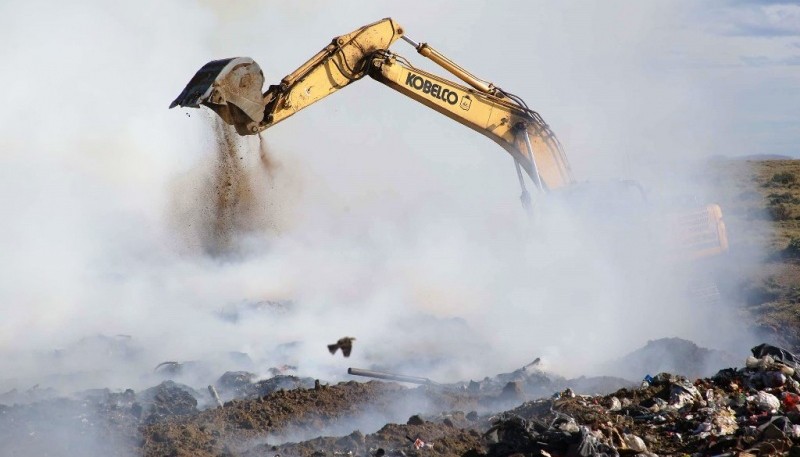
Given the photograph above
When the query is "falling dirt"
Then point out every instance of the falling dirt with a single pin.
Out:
(232, 191)
(229, 197)
(268, 162)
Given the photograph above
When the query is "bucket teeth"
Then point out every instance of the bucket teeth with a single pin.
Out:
(230, 87)
(199, 87)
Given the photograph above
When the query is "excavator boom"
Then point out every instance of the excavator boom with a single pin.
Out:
(231, 87)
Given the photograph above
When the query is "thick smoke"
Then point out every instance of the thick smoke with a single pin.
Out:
(135, 235)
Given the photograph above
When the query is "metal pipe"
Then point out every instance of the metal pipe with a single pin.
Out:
(390, 376)
(537, 178)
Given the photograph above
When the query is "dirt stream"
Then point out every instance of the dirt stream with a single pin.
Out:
(235, 204)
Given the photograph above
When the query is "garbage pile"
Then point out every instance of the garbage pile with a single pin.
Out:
(532, 381)
(753, 410)
(244, 385)
(749, 411)
(671, 355)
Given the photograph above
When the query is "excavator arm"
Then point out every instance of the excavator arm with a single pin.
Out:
(516, 128)
(232, 88)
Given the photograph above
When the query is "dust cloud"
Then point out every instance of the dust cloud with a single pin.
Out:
(138, 235)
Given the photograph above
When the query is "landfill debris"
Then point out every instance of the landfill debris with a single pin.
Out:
(234, 383)
(169, 367)
(215, 395)
(282, 370)
(750, 410)
(670, 355)
(634, 443)
(345, 344)
(419, 444)
(168, 399)
(391, 376)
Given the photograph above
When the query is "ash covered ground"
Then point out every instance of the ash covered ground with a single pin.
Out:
(669, 396)
(751, 407)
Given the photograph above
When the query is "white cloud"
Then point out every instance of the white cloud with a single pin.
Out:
(762, 20)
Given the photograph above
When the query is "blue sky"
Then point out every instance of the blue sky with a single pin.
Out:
(751, 51)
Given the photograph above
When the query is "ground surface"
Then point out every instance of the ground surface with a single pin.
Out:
(293, 417)
(761, 202)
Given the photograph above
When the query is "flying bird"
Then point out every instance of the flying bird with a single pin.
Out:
(345, 344)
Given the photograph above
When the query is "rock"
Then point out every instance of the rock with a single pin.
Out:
(415, 420)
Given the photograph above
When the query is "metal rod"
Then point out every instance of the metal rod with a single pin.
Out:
(537, 179)
(525, 197)
(390, 376)
(440, 59)
(410, 41)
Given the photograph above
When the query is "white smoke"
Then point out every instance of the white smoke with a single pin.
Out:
(383, 221)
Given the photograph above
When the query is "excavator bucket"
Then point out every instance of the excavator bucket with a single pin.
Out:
(230, 87)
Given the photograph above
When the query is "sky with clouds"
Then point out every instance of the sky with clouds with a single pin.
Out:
(748, 56)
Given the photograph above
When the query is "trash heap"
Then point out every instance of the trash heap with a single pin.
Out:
(753, 410)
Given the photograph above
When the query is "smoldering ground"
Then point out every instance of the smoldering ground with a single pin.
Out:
(381, 220)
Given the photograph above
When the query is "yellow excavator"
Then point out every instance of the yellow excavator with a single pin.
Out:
(232, 88)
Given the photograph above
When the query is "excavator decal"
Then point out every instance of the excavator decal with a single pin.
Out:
(466, 102)
(428, 87)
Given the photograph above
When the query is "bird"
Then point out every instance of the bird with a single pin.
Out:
(345, 344)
